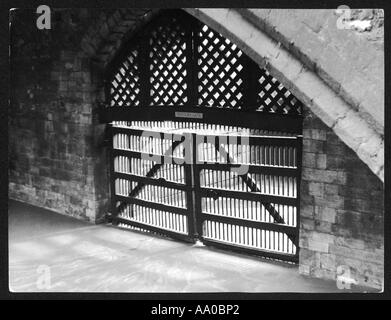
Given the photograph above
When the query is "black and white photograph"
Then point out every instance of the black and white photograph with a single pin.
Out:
(196, 150)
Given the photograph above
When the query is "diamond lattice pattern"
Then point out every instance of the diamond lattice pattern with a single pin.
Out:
(273, 97)
(168, 59)
(125, 85)
(220, 80)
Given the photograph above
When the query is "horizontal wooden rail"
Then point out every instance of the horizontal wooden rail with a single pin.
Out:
(147, 156)
(153, 205)
(252, 251)
(292, 231)
(160, 182)
(252, 168)
(146, 132)
(252, 140)
(252, 196)
(160, 231)
(251, 119)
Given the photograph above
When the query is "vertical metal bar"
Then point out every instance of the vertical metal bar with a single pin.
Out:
(113, 207)
(190, 201)
(250, 78)
(192, 60)
(196, 187)
(299, 149)
(144, 65)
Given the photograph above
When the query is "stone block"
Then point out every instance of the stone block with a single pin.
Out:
(308, 160)
(328, 261)
(316, 189)
(307, 224)
(326, 214)
(315, 146)
(315, 134)
(318, 246)
(323, 226)
(307, 211)
(331, 189)
(326, 176)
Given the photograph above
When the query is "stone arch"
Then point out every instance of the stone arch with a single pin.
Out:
(357, 128)
(105, 38)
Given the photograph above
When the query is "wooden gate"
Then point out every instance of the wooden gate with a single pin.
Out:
(234, 190)
(150, 181)
(179, 91)
(247, 193)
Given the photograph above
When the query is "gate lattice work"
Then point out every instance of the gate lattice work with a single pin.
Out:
(171, 82)
(178, 61)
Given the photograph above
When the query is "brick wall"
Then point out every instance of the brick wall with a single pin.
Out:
(55, 157)
(341, 210)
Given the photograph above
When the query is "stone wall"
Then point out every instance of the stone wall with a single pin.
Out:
(55, 159)
(348, 58)
(341, 210)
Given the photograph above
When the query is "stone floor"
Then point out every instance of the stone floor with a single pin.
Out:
(51, 252)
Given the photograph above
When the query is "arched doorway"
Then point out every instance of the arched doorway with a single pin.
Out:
(205, 144)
